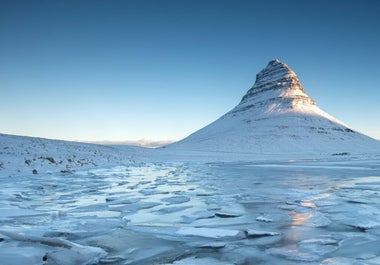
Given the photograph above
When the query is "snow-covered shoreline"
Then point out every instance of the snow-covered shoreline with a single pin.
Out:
(31, 155)
(20, 155)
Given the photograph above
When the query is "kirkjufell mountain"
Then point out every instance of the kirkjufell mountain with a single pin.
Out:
(276, 116)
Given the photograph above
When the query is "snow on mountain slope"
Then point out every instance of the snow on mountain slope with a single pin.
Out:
(277, 117)
(20, 154)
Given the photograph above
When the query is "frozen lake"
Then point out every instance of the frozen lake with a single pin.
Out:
(194, 213)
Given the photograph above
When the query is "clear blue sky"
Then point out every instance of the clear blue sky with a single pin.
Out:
(127, 70)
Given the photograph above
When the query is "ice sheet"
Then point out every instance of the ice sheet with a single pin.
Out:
(194, 213)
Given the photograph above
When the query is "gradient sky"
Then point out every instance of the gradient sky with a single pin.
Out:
(161, 69)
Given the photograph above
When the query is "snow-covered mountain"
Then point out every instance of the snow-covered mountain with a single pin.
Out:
(277, 117)
(27, 155)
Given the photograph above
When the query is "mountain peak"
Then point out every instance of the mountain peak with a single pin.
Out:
(274, 62)
(277, 84)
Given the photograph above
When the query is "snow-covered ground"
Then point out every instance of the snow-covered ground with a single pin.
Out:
(25, 155)
(194, 213)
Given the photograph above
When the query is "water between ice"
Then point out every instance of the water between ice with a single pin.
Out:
(172, 213)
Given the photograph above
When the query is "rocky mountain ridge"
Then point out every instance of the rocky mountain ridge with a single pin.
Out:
(277, 83)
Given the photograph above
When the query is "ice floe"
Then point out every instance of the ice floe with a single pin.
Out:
(176, 199)
(259, 233)
(208, 232)
(64, 252)
(343, 261)
(264, 219)
(200, 261)
(227, 214)
(294, 254)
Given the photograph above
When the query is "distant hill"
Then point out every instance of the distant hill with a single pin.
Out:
(28, 155)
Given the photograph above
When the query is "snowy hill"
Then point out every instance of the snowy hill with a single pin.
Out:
(21, 154)
(277, 117)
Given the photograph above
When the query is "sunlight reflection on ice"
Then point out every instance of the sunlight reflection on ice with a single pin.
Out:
(129, 211)
(299, 219)
(308, 204)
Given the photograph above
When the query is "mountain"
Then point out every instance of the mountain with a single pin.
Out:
(277, 117)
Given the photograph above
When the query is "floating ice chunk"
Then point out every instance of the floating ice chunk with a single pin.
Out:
(211, 245)
(131, 208)
(258, 233)
(214, 245)
(265, 240)
(264, 219)
(227, 214)
(342, 261)
(53, 242)
(359, 247)
(67, 252)
(176, 199)
(200, 261)
(321, 241)
(172, 209)
(292, 253)
(80, 255)
(197, 216)
(319, 246)
(364, 224)
(112, 260)
(207, 232)
(320, 220)
(142, 254)
(243, 255)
